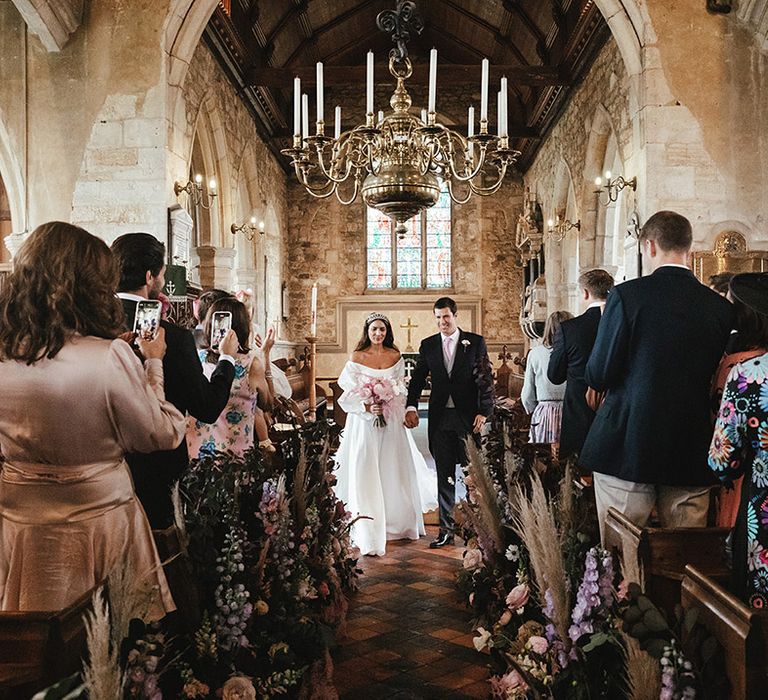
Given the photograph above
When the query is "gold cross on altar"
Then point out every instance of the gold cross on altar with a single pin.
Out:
(409, 327)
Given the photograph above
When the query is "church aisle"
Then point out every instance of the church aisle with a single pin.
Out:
(408, 634)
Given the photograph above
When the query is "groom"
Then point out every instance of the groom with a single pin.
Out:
(460, 402)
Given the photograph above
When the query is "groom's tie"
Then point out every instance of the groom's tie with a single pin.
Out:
(447, 354)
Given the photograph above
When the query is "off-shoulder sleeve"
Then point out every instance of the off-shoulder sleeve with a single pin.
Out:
(143, 420)
(350, 401)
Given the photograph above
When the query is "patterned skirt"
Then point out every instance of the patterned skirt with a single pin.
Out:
(545, 422)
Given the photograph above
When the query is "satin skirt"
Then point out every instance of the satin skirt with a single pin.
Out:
(62, 531)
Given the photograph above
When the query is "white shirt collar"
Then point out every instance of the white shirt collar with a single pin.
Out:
(130, 297)
(453, 336)
(595, 304)
(685, 267)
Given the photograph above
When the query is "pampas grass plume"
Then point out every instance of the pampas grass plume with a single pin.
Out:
(643, 671)
(102, 677)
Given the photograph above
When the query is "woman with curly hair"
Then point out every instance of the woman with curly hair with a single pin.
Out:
(75, 400)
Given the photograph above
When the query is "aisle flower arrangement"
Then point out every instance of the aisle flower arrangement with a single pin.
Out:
(269, 545)
(550, 608)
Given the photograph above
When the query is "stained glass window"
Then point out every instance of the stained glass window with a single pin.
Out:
(421, 259)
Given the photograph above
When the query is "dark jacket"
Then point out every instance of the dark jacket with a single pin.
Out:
(657, 348)
(186, 388)
(470, 383)
(568, 362)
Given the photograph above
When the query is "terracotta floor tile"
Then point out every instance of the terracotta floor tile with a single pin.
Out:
(409, 634)
(446, 633)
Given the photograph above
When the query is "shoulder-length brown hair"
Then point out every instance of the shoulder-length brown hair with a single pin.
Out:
(241, 323)
(63, 282)
(552, 326)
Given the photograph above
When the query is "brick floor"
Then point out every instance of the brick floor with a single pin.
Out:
(408, 636)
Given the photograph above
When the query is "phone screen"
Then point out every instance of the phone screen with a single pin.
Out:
(221, 322)
(147, 319)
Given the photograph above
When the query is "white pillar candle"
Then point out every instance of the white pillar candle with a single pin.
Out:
(320, 105)
(498, 112)
(503, 130)
(471, 130)
(432, 80)
(337, 122)
(297, 106)
(380, 117)
(369, 85)
(305, 115)
(424, 115)
(313, 312)
(484, 92)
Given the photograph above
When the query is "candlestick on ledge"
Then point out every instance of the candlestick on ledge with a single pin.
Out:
(312, 361)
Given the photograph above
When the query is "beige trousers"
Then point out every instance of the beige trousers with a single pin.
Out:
(677, 506)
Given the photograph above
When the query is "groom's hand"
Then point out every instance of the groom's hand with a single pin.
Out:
(477, 426)
(411, 419)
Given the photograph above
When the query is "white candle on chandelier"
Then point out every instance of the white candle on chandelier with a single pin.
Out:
(369, 85)
(599, 181)
(380, 117)
(484, 92)
(608, 175)
(498, 112)
(337, 122)
(320, 105)
(313, 312)
(424, 115)
(432, 80)
(305, 115)
(253, 221)
(297, 106)
(503, 131)
(212, 184)
(471, 131)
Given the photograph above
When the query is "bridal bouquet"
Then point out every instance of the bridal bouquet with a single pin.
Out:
(380, 392)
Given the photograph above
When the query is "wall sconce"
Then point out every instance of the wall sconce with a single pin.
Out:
(201, 196)
(559, 227)
(613, 186)
(249, 229)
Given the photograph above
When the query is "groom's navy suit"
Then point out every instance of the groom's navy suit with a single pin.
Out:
(470, 385)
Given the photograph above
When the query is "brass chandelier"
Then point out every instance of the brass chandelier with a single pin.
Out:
(399, 161)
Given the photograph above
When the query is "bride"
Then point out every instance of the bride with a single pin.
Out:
(381, 473)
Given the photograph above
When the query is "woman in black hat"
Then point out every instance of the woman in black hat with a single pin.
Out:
(740, 442)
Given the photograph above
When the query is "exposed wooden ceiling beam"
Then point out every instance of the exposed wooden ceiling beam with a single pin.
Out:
(516, 131)
(503, 41)
(514, 7)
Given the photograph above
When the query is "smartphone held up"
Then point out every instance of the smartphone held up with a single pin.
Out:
(147, 320)
(221, 322)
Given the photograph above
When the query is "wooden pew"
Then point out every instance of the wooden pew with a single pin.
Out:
(740, 630)
(40, 648)
(664, 554)
(298, 377)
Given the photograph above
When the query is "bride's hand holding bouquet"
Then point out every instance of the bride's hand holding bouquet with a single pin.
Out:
(378, 396)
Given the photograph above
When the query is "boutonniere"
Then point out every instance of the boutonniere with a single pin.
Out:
(465, 343)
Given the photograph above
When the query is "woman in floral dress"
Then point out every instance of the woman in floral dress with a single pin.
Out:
(740, 448)
(234, 430)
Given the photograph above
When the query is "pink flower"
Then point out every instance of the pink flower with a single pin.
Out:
(538, 645)
(473, 559)
(501, 686)
(518, 596)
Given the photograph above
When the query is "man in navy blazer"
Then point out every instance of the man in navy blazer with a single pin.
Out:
(460, 401)
(568, 361)
(141, 261)
(658, 345)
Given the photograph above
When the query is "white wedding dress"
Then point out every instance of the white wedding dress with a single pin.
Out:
(381, 473)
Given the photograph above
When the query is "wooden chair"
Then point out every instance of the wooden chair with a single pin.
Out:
(339, 414)
(740, 630)
(39, 648)
(298, 378)
(664, 553)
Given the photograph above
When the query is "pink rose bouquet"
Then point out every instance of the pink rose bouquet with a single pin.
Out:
(380, 391)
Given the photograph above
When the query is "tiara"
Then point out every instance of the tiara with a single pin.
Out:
(376, 316)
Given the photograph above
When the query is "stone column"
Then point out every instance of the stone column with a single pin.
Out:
(13, 242)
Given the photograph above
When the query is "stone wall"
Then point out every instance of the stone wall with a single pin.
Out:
(326, 244)
(250, 183)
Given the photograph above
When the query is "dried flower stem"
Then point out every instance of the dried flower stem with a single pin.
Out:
(102, 677)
